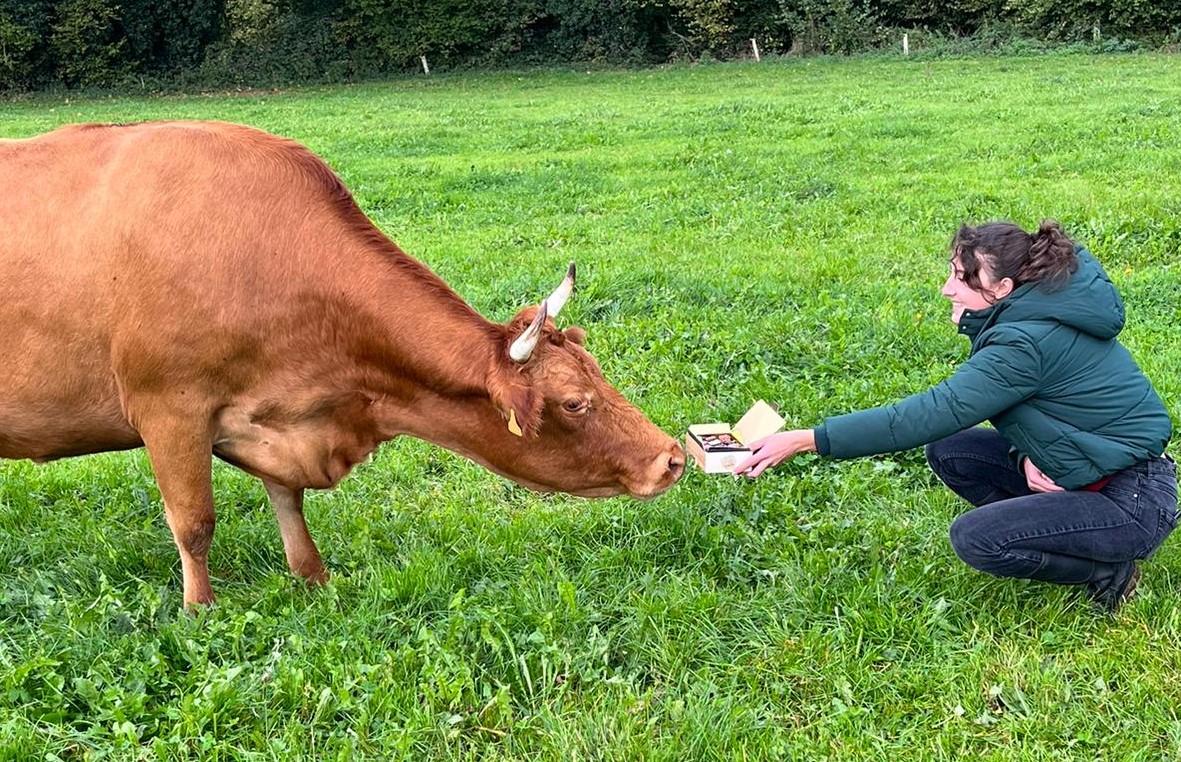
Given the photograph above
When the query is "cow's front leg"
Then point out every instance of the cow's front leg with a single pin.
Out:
(181, 461)
(302, 556)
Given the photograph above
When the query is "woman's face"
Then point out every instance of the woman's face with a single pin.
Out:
(964, 297)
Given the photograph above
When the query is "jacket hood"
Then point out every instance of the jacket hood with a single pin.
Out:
(1088, 302)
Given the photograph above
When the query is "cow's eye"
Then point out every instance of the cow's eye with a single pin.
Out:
(575, 405)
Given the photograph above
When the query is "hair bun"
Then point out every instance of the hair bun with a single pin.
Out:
(1050, 228)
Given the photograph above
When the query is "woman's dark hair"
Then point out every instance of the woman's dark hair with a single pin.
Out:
(1046, 256)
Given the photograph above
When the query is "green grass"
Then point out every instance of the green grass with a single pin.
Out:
(743, 231)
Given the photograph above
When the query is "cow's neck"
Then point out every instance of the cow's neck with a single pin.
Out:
(418, 362)
(468, 425)
(431, 336)
(428, 376)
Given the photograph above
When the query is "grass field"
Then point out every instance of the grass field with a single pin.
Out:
(743, 231)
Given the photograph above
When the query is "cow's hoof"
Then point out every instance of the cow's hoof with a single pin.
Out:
(315, 577)
(199, 605)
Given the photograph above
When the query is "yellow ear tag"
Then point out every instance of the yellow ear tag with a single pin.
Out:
(513, 426)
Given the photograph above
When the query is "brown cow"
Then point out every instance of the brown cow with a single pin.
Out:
(197, 287)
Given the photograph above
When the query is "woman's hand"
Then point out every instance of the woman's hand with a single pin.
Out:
(1037, 481)
(773, 450)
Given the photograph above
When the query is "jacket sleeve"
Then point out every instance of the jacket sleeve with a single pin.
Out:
(998, 376)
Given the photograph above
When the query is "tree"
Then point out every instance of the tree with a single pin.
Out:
(16, 45)
(455, 32)
(85, 44)
(169, 36)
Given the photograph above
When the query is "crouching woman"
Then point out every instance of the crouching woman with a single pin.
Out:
(1070, 484)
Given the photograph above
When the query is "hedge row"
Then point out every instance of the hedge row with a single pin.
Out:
(86, 43)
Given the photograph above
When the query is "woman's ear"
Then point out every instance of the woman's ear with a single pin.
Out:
(1004, 288)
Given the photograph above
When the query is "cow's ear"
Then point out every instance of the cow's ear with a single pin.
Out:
(576, 334)
(513, 394)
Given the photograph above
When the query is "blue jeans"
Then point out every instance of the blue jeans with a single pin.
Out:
(1071, 538)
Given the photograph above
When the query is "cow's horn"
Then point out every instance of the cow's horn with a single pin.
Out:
(522, 349)
(557, 300)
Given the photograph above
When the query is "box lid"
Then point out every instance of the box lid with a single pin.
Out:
(702, 429)
(760, 421)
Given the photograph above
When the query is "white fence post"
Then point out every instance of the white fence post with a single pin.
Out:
(425, 69)
(755, 47)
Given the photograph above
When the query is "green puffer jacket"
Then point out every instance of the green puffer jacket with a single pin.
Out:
(1046, 369)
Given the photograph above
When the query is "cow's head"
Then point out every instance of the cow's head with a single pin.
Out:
(564, 428)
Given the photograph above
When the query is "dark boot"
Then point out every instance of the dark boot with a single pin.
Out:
(1108, 596)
